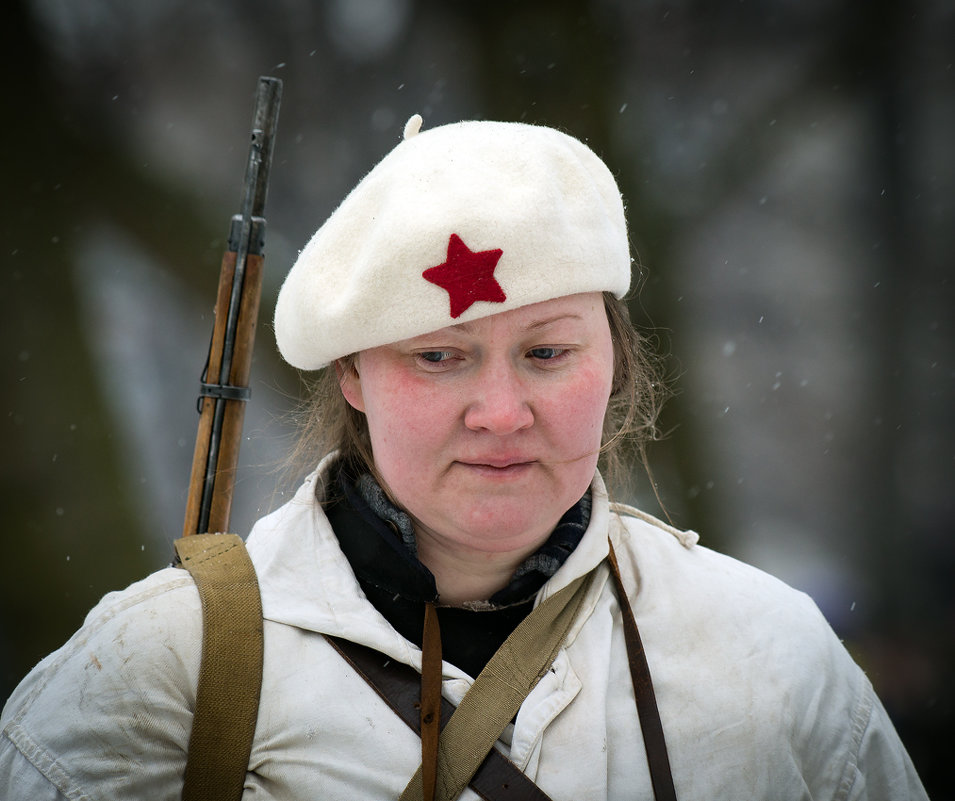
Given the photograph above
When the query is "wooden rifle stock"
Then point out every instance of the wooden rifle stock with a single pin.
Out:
(225, 382)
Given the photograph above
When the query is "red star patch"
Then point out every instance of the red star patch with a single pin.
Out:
(467, 276)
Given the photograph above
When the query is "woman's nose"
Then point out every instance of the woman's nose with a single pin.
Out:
(500, 403)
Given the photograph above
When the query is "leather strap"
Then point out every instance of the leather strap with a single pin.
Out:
(430, 701)
(399, 686)
(230, 672)
(653, 739)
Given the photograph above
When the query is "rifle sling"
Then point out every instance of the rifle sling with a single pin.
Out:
(230, 671)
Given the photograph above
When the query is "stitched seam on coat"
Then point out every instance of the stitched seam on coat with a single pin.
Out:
(45, 763)
(861, 716)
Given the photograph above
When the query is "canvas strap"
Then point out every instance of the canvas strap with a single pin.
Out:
(230, 672)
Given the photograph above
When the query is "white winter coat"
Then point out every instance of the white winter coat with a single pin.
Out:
(758, 698)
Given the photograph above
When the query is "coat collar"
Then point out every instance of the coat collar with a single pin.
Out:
(307, 582)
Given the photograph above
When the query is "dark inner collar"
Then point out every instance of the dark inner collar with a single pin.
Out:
(378, 540)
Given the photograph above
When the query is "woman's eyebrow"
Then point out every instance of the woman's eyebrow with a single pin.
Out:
(537, 324)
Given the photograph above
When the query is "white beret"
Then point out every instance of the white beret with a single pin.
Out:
(456, 223)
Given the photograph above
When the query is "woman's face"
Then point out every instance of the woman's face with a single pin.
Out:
(487, 432)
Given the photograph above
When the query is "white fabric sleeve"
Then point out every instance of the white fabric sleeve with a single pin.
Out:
(109, 714)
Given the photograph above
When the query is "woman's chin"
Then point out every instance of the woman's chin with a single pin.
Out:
(503, 530)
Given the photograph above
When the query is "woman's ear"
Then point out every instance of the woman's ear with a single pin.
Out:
(350, 382)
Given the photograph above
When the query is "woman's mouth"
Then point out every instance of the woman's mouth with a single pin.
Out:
(498, 468)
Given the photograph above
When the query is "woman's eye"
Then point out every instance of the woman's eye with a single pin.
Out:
(545, 354)
(435, 356)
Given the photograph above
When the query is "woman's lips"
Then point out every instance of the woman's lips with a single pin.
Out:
(498, 468)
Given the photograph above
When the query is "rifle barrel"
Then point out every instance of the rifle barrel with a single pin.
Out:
(223, 386)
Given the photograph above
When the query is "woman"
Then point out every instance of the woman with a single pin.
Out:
(465, 302)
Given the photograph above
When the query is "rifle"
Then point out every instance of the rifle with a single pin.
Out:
(224, 384)
(230, 672)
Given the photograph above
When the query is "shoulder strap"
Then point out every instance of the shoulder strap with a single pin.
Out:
(399, 686)
(499, 690)
(230, 681)
(498, 779)
(653, 739)
(230, 673)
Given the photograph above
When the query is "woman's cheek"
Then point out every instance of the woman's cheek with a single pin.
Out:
(584, 407)
(410, 413)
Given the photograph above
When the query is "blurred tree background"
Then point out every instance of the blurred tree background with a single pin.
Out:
(788, 172)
